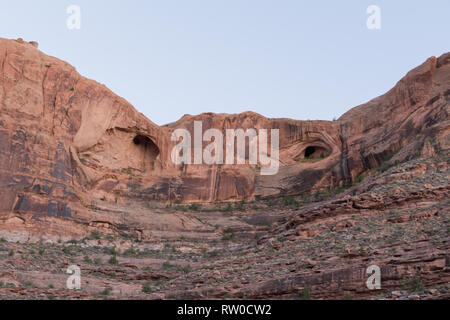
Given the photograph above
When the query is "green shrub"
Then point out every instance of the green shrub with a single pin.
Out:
(269, 203)
(67, 250)
(107, 291)
(416, 285)
(187, 268)
(112, 251)
(194, 207)
(113, 261)
(228, 208)
(146, 288)
(290, 201)
(306, 294)
(240, 206)
(181, 208)
(129, 252)
(213, 254)
(360, 178)
(383, 167)
(95, 235)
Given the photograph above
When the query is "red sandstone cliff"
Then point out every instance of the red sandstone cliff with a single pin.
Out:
(67, 141)
(79, 163)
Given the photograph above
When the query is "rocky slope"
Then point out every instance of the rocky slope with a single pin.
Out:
(86, 179)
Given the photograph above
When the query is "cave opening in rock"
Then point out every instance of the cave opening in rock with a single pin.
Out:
(315, 152)
(148, 151)
(309, 151)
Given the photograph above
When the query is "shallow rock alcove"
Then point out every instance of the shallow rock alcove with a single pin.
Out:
(147, 151)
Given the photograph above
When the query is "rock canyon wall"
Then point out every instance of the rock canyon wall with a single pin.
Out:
(68, 143)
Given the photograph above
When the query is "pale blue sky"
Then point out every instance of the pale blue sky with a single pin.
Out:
(296, 59)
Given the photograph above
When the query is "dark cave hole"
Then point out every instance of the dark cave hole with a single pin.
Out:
(309, 151)
(316, 152)
(137, 140)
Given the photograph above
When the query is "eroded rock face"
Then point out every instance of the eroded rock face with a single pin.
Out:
(68, 142)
